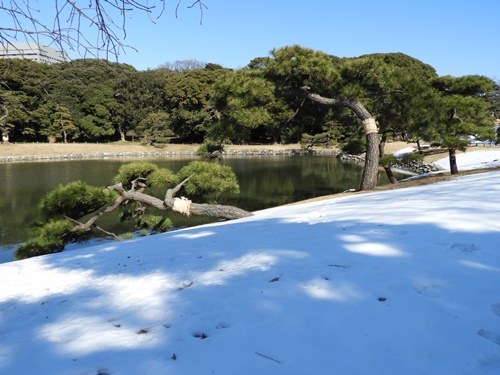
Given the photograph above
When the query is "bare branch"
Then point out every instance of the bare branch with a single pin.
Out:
(201, 5)
(353, 104)
(87, 27)
(91, 222)
(169, 196)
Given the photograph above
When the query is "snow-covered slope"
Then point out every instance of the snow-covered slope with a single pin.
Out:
(395, 282)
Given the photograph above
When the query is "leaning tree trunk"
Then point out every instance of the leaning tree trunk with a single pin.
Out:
(181, 205)
(453, 161)
(370, 171)
(390, 174)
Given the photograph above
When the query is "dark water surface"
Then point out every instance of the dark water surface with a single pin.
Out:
(265, 181)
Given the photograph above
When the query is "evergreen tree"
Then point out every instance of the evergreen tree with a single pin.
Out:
(248, 109)
(464, 113)
(70, 212)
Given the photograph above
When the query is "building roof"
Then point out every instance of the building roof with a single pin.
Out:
(32, 51)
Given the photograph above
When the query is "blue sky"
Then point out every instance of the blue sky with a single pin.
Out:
(456, 37)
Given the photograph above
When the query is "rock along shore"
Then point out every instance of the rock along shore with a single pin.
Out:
(414, 167)
(118, 155)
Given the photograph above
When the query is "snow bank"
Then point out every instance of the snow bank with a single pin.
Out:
(394, 282)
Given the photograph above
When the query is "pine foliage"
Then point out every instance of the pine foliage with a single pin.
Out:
(76, 199)
(206, 178)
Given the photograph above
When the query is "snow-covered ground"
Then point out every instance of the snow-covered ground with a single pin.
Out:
(474, 160)
(396, 282)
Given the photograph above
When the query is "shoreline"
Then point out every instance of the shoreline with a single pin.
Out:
(22, 152)
(152, 154)
(40, 152)
(74, 151)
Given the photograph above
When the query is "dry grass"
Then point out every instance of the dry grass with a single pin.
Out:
(29, 149)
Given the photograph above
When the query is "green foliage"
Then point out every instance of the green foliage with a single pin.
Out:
(23, 90)
(35, 247)
(154, 223)
(294, 66)
(89, 89)
(470, 85)
(408, 63)
(75, 200)
(412, 157)
(388, 161)
(46, 239)
(290, 68)
(149, 223)
(209, 149)
(309, 141)
(206, 178)
(393, 87)
(493, 98)
(188, 95)
(62, 124)
(156, 128)
(247, 108)
(464, 111)
(126, 236)
(354, 146)
(149, 174)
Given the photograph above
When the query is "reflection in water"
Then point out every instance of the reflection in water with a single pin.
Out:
(264, 181)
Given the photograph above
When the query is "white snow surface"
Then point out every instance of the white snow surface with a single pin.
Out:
(404, 281)
(473, 160)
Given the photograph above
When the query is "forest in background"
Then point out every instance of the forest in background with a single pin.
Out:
(91, 100)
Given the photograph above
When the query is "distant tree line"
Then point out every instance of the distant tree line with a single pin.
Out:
(273, 99)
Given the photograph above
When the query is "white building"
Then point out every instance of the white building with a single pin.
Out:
(32, 51)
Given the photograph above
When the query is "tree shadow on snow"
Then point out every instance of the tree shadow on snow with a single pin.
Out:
(255, 284)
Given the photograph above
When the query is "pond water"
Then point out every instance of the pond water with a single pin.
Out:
(265, 181)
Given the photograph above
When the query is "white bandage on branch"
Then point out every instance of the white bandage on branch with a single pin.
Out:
(370, 125)
(182, 205)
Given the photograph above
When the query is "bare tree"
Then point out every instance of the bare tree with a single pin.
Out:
(95, 28)
(181, 65)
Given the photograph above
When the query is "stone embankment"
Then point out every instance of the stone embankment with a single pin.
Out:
(98, 155)
(131, 155)
(414, 166)
(419, 167)
(284, 152)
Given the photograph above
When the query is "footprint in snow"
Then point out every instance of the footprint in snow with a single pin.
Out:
(465, 247)
(203, 335)
(199, 335)
(496, 308)
(427, 289)
(223, 325)
(490, 336)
